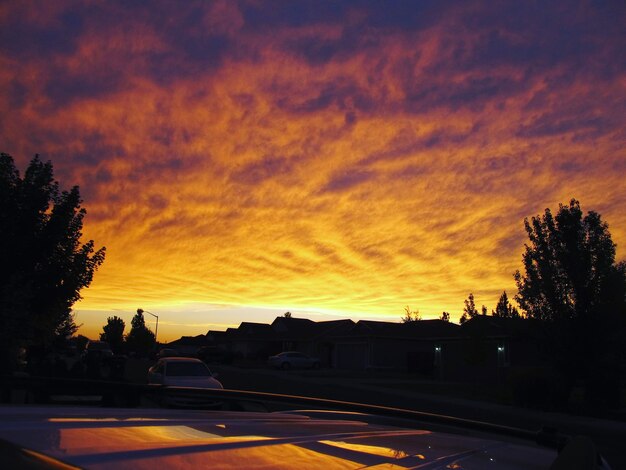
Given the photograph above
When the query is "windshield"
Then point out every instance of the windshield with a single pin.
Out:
(187, 369)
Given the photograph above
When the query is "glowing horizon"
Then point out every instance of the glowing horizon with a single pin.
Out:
(338, 159)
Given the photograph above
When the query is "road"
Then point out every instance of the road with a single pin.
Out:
(609, 436)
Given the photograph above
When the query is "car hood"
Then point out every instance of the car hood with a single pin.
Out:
(123, 438)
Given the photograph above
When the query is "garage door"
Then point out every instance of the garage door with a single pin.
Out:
(352, 356)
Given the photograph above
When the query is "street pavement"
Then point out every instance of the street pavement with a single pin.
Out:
(608, 435)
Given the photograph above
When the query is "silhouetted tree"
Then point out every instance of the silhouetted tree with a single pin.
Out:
(43, 264)
(79, 341)
(66, 330)
(140, 339)
(445, 316)
(572, 283)
(113, 333)
(469, 311)
(504, 309)
(287, 315)
(410, 316)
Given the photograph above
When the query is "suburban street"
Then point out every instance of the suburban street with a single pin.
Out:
(608, 435)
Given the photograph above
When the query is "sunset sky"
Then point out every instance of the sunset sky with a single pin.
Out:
(239, 159)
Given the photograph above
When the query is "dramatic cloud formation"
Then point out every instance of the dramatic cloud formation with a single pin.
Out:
(346, 158)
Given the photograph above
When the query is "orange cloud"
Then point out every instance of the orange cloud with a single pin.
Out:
(352, 163)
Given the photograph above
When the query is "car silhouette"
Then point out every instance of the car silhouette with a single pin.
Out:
(182, 372)
(293, 360)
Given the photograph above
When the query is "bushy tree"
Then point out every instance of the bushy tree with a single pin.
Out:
(43, 263)
(79, 342)
(113, 333)
(572, 283)
(140, 340)
(569, 266)
(445, 316)
(504, 309)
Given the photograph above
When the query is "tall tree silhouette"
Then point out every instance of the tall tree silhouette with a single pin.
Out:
(140, 339)
(113, 333)
(504, 309)
(43, 264)
(572, 283)
(469, 311)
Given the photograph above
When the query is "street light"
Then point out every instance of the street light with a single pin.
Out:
(156, 330)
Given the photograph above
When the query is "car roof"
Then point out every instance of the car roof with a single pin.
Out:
(180, 359)
(165, 438)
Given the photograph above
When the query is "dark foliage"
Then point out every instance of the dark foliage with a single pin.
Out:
(572, 283)
(570, 268)
(113, 333)
(43, 264)
(79, 342)
(410, 316)
(140, 340)
(504, 309)
(469, 311)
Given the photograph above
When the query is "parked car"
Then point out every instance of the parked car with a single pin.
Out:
(99, 349)
(167, 352)
(98, 360)
(183, 372)
(293, 360)
(215, 355)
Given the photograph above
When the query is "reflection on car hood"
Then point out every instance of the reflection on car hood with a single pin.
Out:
(138, 438)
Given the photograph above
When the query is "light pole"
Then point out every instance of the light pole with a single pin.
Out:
(156, 330)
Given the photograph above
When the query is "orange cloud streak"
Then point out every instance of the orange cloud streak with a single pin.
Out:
(386, 176)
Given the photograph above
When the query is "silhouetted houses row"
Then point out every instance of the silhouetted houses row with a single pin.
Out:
(481, 348)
